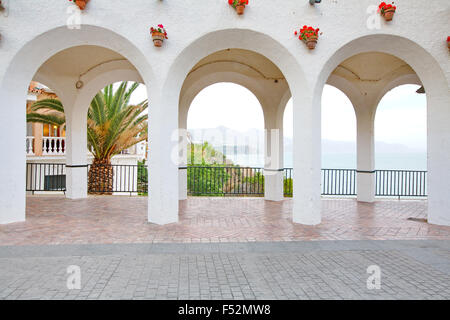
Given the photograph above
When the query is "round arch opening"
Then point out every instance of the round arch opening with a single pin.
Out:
(230, 118)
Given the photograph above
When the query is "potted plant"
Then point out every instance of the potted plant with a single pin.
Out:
(158, 35)
(387, 10)
(1, 6)
(308, 35)
(448, 42)
(239, 5)
(80, 3)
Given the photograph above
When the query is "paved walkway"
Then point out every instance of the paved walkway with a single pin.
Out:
(56, 220)
(273, 270)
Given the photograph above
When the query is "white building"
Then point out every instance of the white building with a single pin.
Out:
(358, 52)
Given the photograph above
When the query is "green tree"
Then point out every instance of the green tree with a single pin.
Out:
(113, 125)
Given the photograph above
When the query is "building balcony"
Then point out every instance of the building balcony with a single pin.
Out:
(52, 147)
(46, 146)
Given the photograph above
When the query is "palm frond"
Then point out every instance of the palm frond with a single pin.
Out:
(48, 104)
(49, 118)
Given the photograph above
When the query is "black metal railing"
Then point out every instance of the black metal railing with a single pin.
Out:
(225, 181)
(338, 182)
(42, 177)
(222, 180)
(401, 183)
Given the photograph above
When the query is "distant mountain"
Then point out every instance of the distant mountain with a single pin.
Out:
(349, 147)
(254, 138)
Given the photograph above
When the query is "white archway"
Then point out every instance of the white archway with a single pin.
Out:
(229, 111)
(13, 90)
(334, 118)
(401, 122)
(308, 192)
(436, 85)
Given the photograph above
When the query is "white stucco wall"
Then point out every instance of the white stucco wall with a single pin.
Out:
(32, 32)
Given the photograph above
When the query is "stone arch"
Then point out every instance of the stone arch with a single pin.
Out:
(33, 54)
(423, 63)
(198, 86)
(346, 87)
(243, 39)
(102, 79)
(21, 70)
(232, 38)
(433, 77)
(397, 82)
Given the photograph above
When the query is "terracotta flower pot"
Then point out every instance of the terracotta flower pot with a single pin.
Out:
(389, 14)
(311, 42)
(448, 45)
(81, 4)
(158, 38)
(240, 9)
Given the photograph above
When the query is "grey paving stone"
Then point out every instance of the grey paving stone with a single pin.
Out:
(273, 270)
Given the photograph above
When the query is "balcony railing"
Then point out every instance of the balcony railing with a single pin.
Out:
(340, 182)
(225, 181)
(401, 183)
(45, 177)
(53, 145)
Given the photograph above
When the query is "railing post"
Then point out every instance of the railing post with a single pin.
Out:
(30, 145)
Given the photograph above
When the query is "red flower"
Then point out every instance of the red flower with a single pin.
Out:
(384, 6)
(307, 32)
(236, 3)
(159, 29)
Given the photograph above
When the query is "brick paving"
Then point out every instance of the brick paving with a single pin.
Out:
(418, 269)
(109, 220)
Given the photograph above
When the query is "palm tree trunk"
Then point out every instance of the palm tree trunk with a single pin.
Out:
(100, 177)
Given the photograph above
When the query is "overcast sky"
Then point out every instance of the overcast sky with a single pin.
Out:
(400, 119)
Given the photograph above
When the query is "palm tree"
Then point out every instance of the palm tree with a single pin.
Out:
(113, 125)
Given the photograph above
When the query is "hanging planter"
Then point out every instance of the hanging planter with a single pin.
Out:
(158, 35)
(309, 36)
(448, 42)
(387, 10)
(80, 3)
(239, 5)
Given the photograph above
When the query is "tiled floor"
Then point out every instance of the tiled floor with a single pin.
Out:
(56, 220)
(418, 269)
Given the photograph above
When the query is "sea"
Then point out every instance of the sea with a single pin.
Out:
(383, 161)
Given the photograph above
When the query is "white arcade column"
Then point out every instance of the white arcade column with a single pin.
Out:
(76, 151)
(438, 157)
(273, 168)
(307, 161)
(13, 161)
(365, 155)
(163, 166)
(183, 160)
